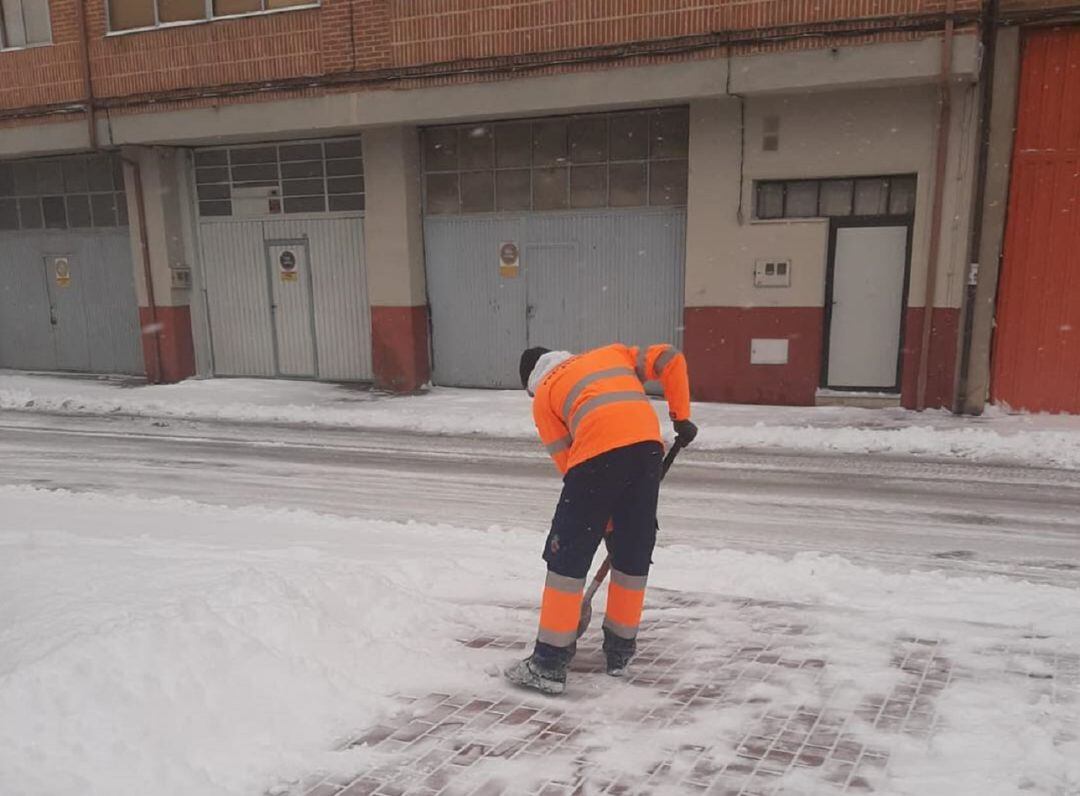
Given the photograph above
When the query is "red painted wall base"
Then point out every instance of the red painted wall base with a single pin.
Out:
(717, 346)
(399, 347)
(941, 375)
(174, 340)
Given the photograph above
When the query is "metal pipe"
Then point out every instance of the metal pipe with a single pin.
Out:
(941, 161)
(88, 84)
(148, 277)
(986, 104)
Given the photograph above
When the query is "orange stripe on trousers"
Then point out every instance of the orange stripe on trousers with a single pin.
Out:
(560, 611)
(624, 605)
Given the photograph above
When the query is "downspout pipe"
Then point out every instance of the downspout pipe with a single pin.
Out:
(88, 83)
(941, 161)
(986, 104)
(154, 327)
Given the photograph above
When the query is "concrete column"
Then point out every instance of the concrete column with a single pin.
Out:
(394, 257)
(1006, 78)
(156, 192)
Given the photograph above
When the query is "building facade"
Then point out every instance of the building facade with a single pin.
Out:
(404, 191)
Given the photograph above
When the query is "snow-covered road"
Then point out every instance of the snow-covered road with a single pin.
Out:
(892, 512)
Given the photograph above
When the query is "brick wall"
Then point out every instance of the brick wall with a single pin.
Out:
(45, 75)
(346, 36)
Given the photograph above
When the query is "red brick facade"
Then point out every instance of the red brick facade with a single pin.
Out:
(385, 37)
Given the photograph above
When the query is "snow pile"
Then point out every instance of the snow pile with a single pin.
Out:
(133, 663)
(1052, 441)
(168, 647)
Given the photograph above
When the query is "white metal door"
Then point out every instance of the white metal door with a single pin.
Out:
(291, 307)
(868, 272)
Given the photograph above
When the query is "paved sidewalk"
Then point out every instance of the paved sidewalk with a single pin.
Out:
(725, 697)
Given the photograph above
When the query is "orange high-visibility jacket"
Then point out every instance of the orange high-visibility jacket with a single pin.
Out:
(596, 402)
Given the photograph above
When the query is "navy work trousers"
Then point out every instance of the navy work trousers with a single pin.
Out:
(621, 485)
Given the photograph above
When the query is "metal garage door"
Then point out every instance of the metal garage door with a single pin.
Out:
(67, 294)
(564, 232)
(282, 244)
(1037, 343)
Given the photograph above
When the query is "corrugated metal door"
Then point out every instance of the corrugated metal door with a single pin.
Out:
(67, 291)
(239, 302)
(586, 279)
(255, 202)
(241, 328)
(1036, 363)
(595, 206)
(85, 320)
(477, 316)
(65, 277)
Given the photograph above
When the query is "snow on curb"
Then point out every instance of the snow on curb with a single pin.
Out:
(998, 437)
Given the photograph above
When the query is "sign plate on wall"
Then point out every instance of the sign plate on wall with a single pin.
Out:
(509, 260)
(287, 261)
(62, 269)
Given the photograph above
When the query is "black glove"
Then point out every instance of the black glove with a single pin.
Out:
(685, 431)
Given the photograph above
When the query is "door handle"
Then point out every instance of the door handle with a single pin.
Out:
(52, 317)
(530, 311)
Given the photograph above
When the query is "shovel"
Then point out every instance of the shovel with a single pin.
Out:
(602, 573)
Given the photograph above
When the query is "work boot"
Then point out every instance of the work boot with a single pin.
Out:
(548, 677)
(619, 651)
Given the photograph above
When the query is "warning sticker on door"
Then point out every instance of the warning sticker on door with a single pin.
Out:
(508, 260)
(287, 261)
(62, 269)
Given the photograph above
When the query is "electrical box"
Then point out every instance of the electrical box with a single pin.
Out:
(180, 278)
(768, 352)
(772, 273)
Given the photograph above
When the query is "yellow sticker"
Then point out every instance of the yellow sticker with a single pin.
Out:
(63, 271)
(289, 276)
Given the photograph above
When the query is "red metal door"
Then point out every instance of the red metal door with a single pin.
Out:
(1037, 342)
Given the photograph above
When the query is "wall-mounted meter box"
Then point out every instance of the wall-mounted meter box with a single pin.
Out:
(772, 273)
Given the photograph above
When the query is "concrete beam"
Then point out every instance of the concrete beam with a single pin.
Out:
(50, 138)
(863, 66)
(855, 66)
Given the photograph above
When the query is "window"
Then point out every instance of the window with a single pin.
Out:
(24, 23)
(139, 14)
(831, 198)
(62, 193)
(636, 159)
(304, 177)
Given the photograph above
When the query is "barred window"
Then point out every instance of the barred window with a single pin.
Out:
(268, 179)
(140, 14)
(832, 198)
(62, 193)
(634, 159)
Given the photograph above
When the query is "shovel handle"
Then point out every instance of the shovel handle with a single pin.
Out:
(669, 460)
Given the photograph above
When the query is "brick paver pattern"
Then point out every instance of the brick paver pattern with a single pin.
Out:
(798, 728)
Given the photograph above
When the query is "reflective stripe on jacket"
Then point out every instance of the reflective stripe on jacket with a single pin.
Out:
(596, 402)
